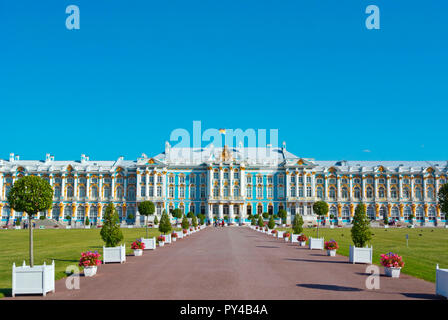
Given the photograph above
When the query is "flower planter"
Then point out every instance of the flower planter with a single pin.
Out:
(150, 243)
(180, 234)
(90, 271)
(331, 226)
(331, 253)
(138, 252)
(114, 254)
(360, 255)
(161, 243)
(167, 238)
(294, 238)
(302, 243)
(386, 227)
(280, 234)
(35, 280)
(392, 272)
(173, 239)
(316, 243)
(86, 227)
(442, 282)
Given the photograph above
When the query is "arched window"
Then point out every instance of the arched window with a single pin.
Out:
(357, 193)
(107, 192)
(236, 191)
(383, 212)
(80, 213)
(419, 214)
(407, 212)
(320, 192)
(344, 193)
(119, 192)
(393, 193)
(226, 191)
(369, 193)
(82, 192)
(418, 193)
(334, 212)
(94, 192)
(406, 193)
(93, 213)
(381, 192)
(69, 191)
(57, 191)
(430, 193)
(293, 191)
(395, 213)
(131, 194)
(432, 213)
(216, 192)
(345, 213)
(332, 192)
(192, 208)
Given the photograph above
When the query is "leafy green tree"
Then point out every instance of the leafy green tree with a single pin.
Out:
(271, 223)
(201, 218)
(111, 232)
(386, 219)
(177, 213)
(194, 221)
(442, 198)
(146, 208)
(190, 214)
(265, 215)
(360, 231)
(156, 220)
(297, 224)
(131, 217)
(185, 223)
(321, 209)
(260, 221)
(283, 215)
(411, 218)
(165, 223)
(87, 223)
(31, 194)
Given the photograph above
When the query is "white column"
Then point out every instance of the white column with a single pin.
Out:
(363, 188)
(63, 177)
(412, 189)
(1, 188)
(221, 177)
(338, 191)
(75, 191)
(424, 189)
(388, 187)
(164, 184)
(146, 185)
(209, 182)
(400, 186)
(221, 212)
(326, 188)
(100, 191)
(113, 187)
(350, 193)
(139, 181)
(243, 213)
(88, 186)
(243, 183)
(288, 185)
(304, 184)
(313, 185)
(231, 216)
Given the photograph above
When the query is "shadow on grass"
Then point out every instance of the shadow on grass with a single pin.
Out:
(7, 292)
(426, 296)
(328, 287)
(318, 261)
(63, 260)
(266, 247)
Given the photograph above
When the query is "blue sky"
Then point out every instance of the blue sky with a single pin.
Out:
(136, 70)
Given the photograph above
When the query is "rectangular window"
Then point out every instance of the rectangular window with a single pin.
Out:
(226, 175)
(249, 192)
(270, 180)
(236, 175)
(300, 179)
(270, 193)
(216, 175)
(192, 192)
(181, 192)
(151, 179)
(280, 179)
(202, 192)
(260, 179)
(259, 192)
(159, 191)
(281, 192)
(171, 179)
(300, 192)
(248, 179)
(192, 179)
(171, 192)
(308, 179)
(181, 179)
(159, 179)
(308, 191)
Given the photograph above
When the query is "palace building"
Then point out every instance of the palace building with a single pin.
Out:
(232, 183)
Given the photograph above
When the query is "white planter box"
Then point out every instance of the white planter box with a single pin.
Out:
(167, 238)
(150, 243)
(360, 255)
(161, 244)
(442, 282)
(331, 226)
(180, 234)
(114, 254)
(17, 227)
(294, 238)
(86, 227)
(386, 226)
(27, 280)
(392, 272)
(138, 252)
(90, 271)
(331, 253)
(316, 243)
(280, 234)
(173, 239)
(302, 243)
(68, 227)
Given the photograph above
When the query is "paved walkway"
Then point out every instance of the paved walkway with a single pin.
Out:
(237, 263)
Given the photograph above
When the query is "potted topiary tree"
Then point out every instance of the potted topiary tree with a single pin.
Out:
(283, 215)
(411, 221)
(112, 236)
(265, 215)
(87, 223)
(253, 221)
(131, 219)
(386, 221)
(31, 194)
(185, 225)
(177, 213)
(331, 221)
(146, 208)
(69, 221)
(165, 227)
(260, 222)
(361, 235)
(271, 224)
(194, 221)
(17, 224)
(320, 208)
(297, 227)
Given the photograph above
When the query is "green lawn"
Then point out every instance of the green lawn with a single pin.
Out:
(61, 245)
(427, 247)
